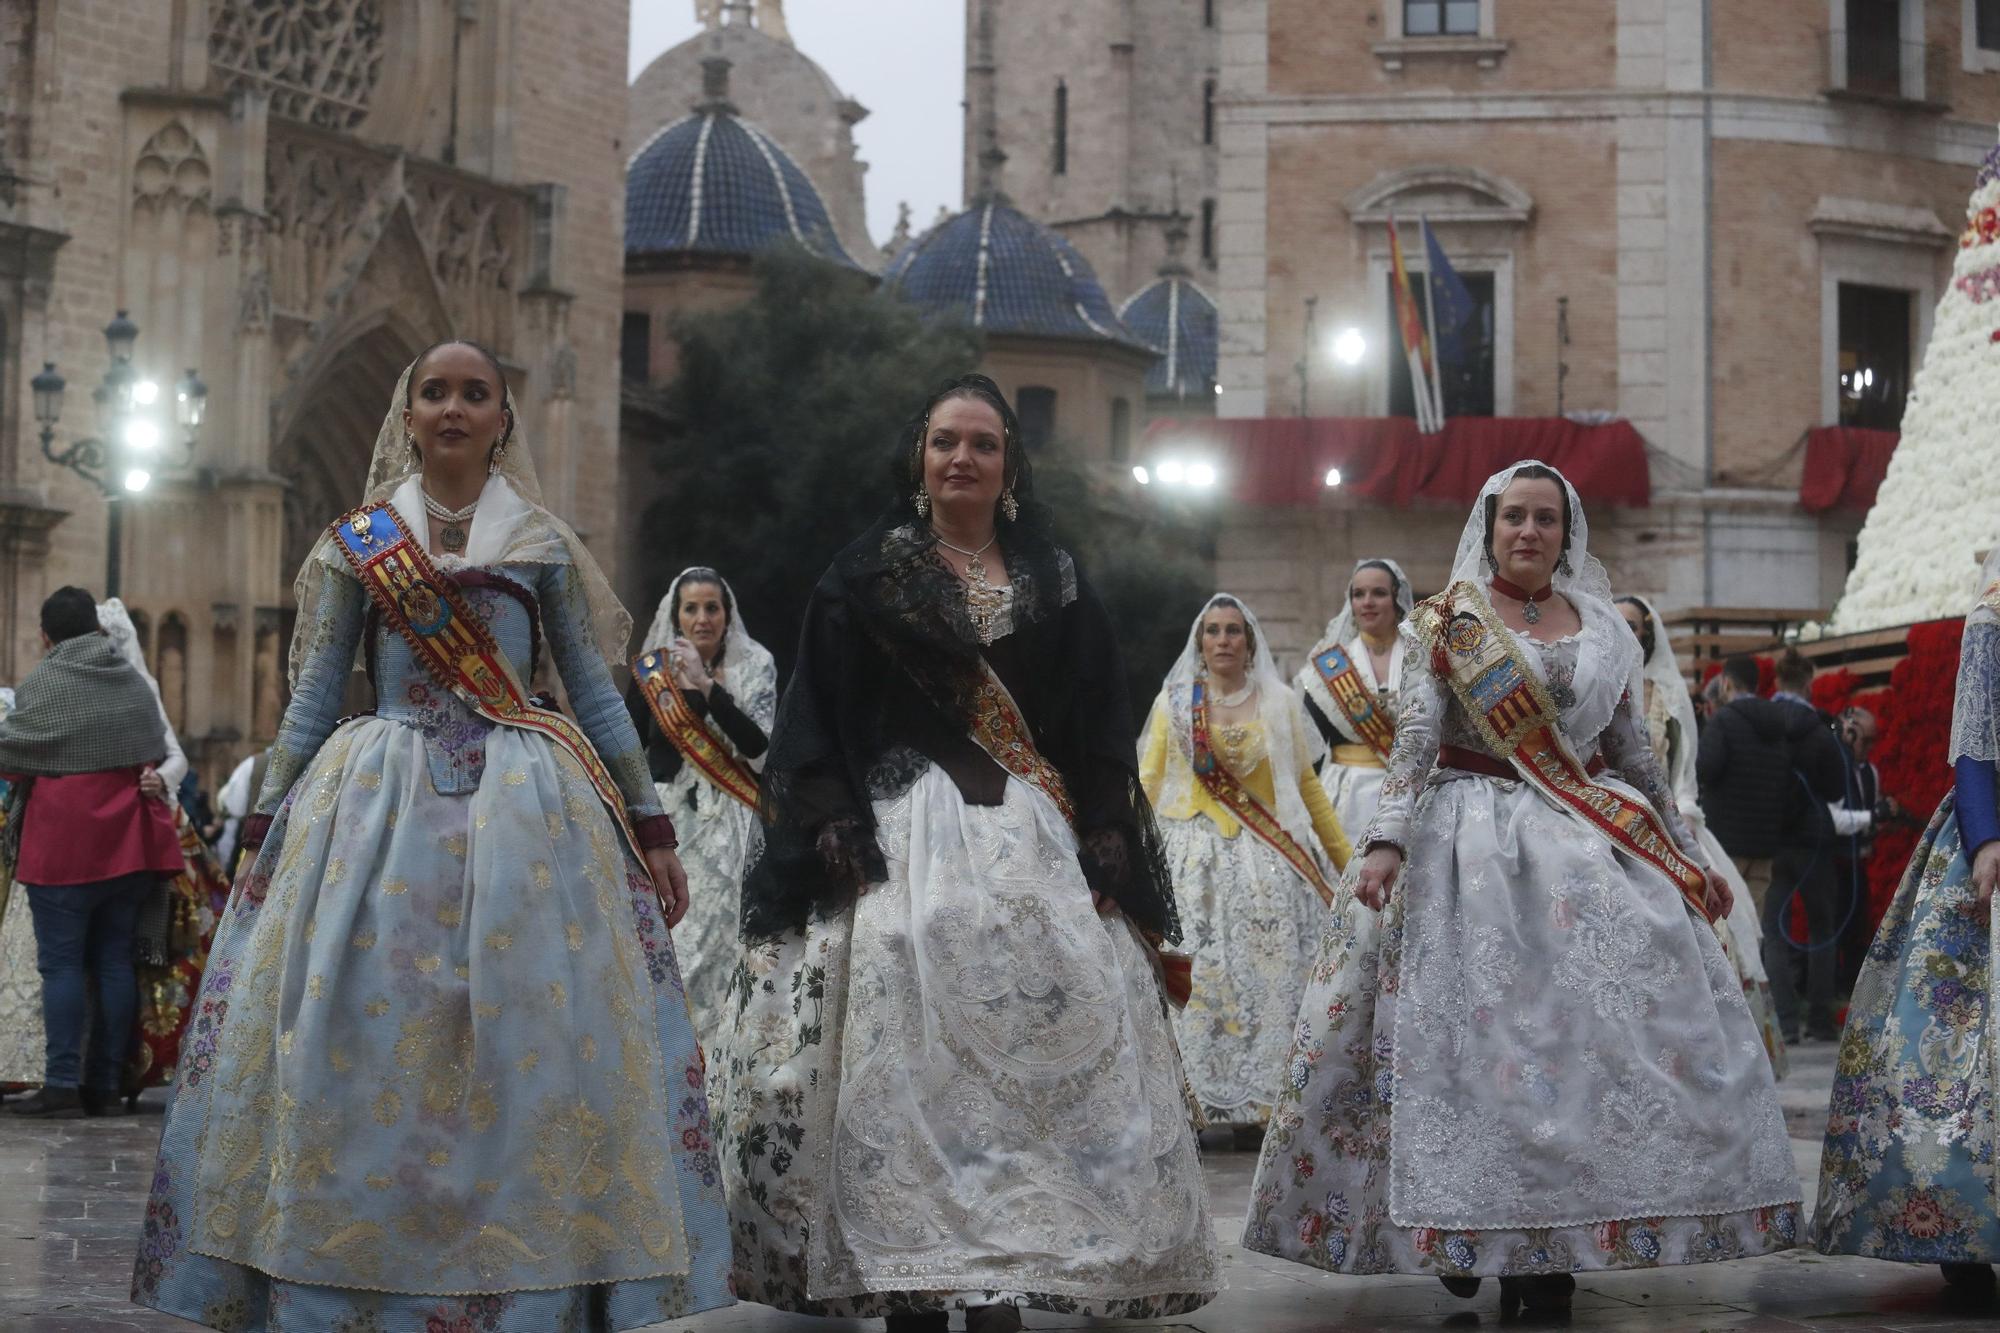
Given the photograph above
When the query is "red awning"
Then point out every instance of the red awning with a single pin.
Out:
(1844, 467)
(1284, 460)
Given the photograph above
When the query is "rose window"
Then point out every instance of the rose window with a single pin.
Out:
(318, 59)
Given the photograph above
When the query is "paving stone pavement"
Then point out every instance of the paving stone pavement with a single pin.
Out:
(72, 1194)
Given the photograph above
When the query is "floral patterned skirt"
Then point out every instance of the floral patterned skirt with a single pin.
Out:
(1250, 925)
(1533, 1060)
(452, 1020)
(963, 1090)
(1908, 1172)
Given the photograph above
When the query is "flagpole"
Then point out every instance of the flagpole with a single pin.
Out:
(1430, 313)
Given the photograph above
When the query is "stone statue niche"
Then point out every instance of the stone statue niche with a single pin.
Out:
(173, 674)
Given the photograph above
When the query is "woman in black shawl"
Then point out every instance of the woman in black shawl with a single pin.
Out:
(951, 1078)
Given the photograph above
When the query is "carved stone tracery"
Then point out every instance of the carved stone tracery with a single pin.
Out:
(318, 59)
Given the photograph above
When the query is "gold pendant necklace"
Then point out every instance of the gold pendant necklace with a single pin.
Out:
(983, 602)
(452, 535)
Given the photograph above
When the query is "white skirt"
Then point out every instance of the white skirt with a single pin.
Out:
(1251, 925)
(1535, 1059)
(1354, 790)
(963, 1089)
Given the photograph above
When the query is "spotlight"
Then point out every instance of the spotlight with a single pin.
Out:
(1143, 477)
(1332, 477)
(142, 435)
(1201, 474)
(1171, 472)
(1349, 347)
(137, 480)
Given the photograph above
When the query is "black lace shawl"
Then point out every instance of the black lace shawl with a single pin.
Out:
(886, 667)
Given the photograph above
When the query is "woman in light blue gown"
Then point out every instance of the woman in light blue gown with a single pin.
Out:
(1908, 1172)
(441, 1072)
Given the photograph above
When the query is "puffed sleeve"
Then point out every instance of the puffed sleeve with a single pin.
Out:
(1420, 704)
(599, 709)
(1629, 754)
(316, 697)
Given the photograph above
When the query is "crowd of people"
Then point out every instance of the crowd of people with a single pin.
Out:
(923, 985)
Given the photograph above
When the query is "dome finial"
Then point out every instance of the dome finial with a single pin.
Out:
(1177, 231)
(715, 86)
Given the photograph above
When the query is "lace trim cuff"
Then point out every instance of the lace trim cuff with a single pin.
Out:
(255, 829)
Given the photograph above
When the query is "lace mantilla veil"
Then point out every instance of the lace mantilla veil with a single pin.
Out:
(1293, 743)
(1663, 672)
(1588, 588)
(1340, 630)
(1975, 709)
(518, 529)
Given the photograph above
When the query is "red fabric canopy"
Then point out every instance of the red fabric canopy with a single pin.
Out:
(1844, 467)
(1284, 460)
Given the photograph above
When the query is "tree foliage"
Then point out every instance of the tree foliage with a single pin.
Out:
(780, 443)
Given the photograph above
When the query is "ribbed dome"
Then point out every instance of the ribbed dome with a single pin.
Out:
(1177, 320)
(711, 183)
(1000, 271)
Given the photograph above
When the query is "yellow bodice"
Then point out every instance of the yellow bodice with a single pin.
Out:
(1245, 751)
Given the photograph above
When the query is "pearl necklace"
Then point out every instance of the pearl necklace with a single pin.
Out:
(1239, 698)
(452, 536)
(983, 602)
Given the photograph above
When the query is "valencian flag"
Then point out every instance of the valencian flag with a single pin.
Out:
(1451, 305)
(1416, 343)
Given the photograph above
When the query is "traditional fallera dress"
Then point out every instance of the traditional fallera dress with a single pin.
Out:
(704, 759)
(1535, 1059)
(1253, 845)
(959, 1088)
(1671, 729)
(1354, 709)
(1911, 1167)
(178, 926)
(442, 1073)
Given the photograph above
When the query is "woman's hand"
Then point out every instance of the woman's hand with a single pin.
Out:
(1985, 873)
(1378, 871)
(671, 881)
(839, 851)
(688, 668)
(152, 784)
(1720, 898)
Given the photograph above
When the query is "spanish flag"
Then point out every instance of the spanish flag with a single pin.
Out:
(1416, 342)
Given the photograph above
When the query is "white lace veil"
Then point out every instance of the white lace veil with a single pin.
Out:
(1975, 709)
(518, 529)
(124, 635)
(1293, 743)
(1580, 578)
(1340, 629)
(1662, 672)
(747, 669)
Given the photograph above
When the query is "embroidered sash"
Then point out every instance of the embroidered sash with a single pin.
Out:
(1001, 731)
(1338, 682)
(429, 610)
(1234, 797)
(689, 734)
(1476, 655)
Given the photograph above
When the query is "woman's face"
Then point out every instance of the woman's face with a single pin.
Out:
(456, 412)
(1372, 594)
(965, 459)
(1225, 641)
(1528, 532)
(703, 617)
(1635, 619)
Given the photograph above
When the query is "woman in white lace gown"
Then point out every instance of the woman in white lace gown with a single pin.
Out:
(1349, 684)
(1522, 1052)
(1227, 761)
(730, 685)
(951, 1078)
(1670, 726)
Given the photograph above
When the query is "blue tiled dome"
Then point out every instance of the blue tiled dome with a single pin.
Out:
(713, 184)
(1177, 320)
(1002, 272)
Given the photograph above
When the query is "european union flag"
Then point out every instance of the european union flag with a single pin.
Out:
(1451, 304)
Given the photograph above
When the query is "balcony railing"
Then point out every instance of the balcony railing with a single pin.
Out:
(1896, 73)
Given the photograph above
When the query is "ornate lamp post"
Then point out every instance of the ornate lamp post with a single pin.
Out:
(120, 461)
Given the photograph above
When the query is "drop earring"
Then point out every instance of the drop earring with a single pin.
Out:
(1009, 505)
(922, 502)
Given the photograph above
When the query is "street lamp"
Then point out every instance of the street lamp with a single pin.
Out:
(129, 439)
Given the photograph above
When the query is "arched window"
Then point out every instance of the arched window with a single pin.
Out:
(1062, 128)
(1208, 111)
(1208, 231)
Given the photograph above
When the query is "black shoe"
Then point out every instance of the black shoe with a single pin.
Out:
(51, 1104)
(97, 1103)
(1972, 1279)
(1542, 1295)
(1465, 1288)
(930, 1321)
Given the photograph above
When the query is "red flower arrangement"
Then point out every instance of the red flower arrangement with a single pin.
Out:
(1911, 749)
